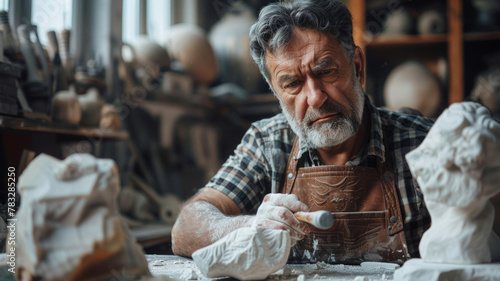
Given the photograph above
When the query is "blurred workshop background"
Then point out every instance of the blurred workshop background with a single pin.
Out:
(167, 88)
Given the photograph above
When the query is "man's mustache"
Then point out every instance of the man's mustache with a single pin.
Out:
(327, 108)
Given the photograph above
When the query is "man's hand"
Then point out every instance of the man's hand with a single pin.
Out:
(276, 211)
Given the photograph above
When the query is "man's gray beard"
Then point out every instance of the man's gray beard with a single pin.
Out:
(331, 132)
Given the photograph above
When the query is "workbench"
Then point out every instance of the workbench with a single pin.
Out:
(185, 269)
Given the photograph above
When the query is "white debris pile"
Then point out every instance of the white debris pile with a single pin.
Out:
(370, 271)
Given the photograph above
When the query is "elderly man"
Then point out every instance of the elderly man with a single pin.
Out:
(330, 149)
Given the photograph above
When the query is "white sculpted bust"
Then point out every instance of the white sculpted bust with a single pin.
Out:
(458, 169)
(248, 253)
(71, 228)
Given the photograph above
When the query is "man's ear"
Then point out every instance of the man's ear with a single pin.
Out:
(359, 65)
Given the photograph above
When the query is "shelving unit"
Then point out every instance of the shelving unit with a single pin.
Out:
(482, 36)
(407, 40)
(251, 107)
(451, 45)
(20, 136)
(36, 125)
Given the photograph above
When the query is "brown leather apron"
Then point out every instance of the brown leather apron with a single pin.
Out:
(368, 225)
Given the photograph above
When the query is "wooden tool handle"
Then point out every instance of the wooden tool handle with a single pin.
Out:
(53, 41)
(41, 53)
(63, 40)
(319, 219)
(1, 46)
(9, 37)
(23, 32)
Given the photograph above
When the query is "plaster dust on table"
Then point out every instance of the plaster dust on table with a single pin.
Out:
(157, 263)
(337, 272)
(189, 274)
(175, 267)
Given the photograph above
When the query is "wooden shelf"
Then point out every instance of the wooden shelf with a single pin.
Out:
(253, 104)
(387, 40)
(197, 102)
(36, 125)
(251, 100)
(452, 42)
(258, 104)
(482, 36)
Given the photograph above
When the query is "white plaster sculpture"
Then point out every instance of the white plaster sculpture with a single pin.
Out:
(458, 169)
(69, 225)
(247, 253)
(419, 270)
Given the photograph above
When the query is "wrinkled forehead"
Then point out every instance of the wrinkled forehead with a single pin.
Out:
(301, 40)
(305, 47)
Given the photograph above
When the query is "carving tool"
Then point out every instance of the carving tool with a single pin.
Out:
(34, 82)
(319, 219)
(43, 58)
(168, 205)
(10, 45)
(60, 82)
(34, 87)
(1, 46)
(66, 60)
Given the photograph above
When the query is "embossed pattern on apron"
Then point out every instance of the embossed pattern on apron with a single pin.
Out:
(367, 217)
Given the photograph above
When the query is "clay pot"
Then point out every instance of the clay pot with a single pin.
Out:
(188, 45)
(488, 13)
(66, 107)
(398, 23)
(431, 22)
(412, 85)
(231, 42)
(487, 89)
(110, 119)
(148, 54)
(91, 105)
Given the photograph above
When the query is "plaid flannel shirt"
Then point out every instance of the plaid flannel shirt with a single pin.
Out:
(258, 164)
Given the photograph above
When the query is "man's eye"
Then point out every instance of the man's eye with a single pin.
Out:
(292, 84)
(327, 71)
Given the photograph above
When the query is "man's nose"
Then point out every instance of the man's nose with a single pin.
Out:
(315, 94)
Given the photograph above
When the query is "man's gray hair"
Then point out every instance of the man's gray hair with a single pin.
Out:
(274, 27)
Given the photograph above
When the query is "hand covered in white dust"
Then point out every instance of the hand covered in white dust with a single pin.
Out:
(276, 212)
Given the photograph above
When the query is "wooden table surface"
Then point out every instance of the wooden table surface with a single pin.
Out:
(182, 268)
(185, 269)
